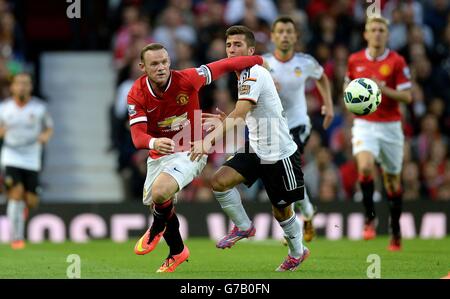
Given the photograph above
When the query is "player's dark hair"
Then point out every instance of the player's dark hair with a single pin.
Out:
(240, 29)
(283, 19)
(151, 47)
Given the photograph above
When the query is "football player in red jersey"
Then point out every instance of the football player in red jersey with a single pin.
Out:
(161, 108)
(378, 137)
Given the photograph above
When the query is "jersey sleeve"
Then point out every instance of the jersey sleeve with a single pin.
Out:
(250, 88)
(198, 77)
(136, 112)
(205, 74)
(402, 74)
(313, 68)
(47, 119)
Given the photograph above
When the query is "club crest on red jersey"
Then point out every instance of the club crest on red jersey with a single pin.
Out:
(385, 70)
(182, 99)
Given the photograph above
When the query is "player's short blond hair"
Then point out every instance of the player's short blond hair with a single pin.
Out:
(378, 19)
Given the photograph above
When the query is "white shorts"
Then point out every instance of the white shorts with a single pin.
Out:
(383, 139)
(177, 165)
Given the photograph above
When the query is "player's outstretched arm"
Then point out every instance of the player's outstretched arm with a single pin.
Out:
(323, 84)
(227, 65)
(403, 96)
(201, 147)
(210, 120)
(2, 131)
(45, 136)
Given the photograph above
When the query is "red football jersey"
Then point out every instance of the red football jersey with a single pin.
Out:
(172, 113)
(391, 69)
(174, 110)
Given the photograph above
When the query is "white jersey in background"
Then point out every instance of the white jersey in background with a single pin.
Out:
(291, 77)
(268, 129)
(21, 148)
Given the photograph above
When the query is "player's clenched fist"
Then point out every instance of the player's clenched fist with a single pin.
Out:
(164, 145)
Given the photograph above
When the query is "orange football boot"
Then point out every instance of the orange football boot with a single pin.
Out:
(173, 261)
(369, 231)
(147, 242)
(395, 244)
(18, 244)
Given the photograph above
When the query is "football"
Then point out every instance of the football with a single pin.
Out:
(362, 96)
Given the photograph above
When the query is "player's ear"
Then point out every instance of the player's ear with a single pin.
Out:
(142, 66)
(365, 34)
(251, 50)
(272, 36)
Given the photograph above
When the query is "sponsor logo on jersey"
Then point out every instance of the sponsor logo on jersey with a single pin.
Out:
(298, 71)
(182, 99)
(132, 110)
(360, 68)
(385, 70)
(174, 123)
(244, 89)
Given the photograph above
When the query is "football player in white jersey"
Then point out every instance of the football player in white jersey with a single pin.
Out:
(271, 154)
(290, 71)
(25, 125)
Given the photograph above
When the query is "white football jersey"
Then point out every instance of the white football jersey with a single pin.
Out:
(291, 77)
(21, 148)
(268, 129)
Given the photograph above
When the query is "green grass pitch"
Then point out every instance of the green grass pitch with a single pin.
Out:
(248, 259)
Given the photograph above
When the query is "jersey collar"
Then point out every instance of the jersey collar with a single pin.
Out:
(379, 58)
(150, 89)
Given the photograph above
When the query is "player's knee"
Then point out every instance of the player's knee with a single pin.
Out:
(366, 170)
(32, 200)
(282, 214)
(218, 184)
(392, 183)
(16, 192)
(161, 193)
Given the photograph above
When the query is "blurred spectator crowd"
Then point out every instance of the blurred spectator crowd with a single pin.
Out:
(12, 47)
(193, 32)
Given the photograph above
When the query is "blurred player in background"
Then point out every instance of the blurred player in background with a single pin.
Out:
(161, 104)
(25, 126)
(290, 70)
(270, 154)
(378, 137)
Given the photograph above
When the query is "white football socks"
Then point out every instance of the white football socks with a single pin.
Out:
(15, 210)
(231, 204)
(293, 235)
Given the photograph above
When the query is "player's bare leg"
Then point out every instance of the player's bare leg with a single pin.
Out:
(366, 169)
(394, 194)
(163, 189)
(307, 210)
(293, 235)
(223, 184)
(32, 200)
(15, 212)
